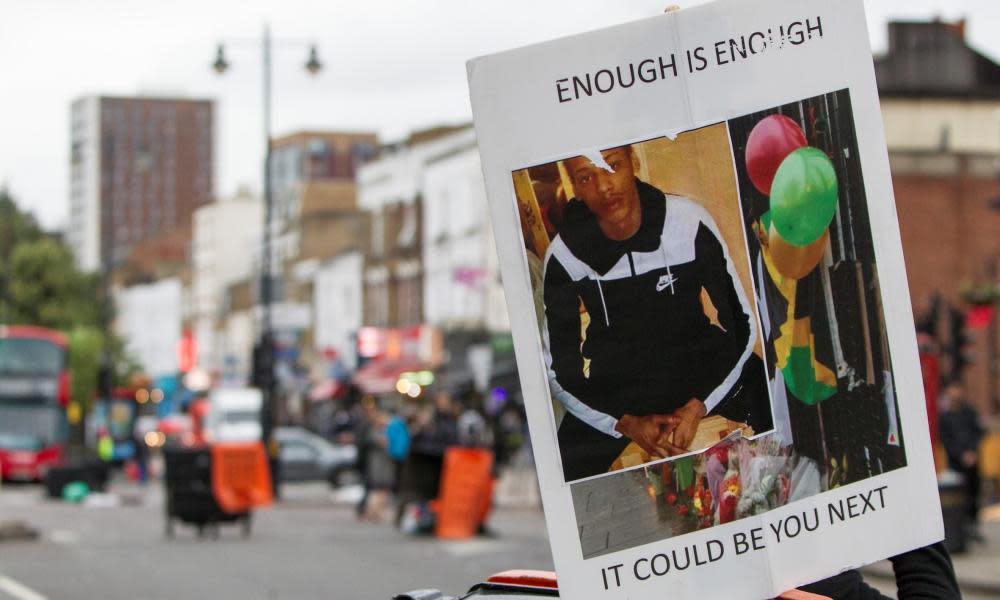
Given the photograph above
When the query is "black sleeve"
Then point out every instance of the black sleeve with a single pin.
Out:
(922, 574)
(562, 321)
(721, 288)
(926, 573)
(845, 586)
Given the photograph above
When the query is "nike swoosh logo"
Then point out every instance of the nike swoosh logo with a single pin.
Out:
(666, 281)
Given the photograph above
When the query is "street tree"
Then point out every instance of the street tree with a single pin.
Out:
(41, 285)
(47, 290)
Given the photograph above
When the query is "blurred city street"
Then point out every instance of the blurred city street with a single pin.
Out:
(306, 546)
(250, 247)
(310, 545)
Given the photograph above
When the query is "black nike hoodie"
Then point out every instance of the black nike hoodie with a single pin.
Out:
(648, 346)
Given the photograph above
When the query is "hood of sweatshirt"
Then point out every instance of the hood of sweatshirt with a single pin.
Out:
(583, 236)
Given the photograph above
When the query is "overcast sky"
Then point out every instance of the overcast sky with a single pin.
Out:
(390, 67)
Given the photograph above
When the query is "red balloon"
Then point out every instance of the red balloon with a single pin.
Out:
(770, 142)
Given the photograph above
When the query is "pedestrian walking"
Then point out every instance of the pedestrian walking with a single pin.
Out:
(472, 429)
(961, 434)
(362, 440)
(437, 429)
(381, 468)
(397, 434)
(141, 454)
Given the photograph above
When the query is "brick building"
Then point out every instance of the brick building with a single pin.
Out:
(941, 107)
(139, 167)
(317, 226)
(312, 182)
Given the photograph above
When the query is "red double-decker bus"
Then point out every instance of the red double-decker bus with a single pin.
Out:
(34, 392)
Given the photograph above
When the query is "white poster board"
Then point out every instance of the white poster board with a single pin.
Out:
(700, 252)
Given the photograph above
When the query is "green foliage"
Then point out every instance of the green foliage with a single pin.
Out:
(124, 364)
(40, 285)
(15, 226)
(980, 294)
(46, 289)
(86, 344)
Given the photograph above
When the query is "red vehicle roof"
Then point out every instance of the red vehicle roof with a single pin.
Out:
(546, 580)
(32, 332)
(527, 578)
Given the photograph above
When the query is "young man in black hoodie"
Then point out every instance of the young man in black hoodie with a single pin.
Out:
(651, 363)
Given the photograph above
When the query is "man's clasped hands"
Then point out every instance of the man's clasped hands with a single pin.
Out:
(663, 435)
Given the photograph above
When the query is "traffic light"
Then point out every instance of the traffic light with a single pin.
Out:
(928, 321)
(105, 381)
(959, 341)
(262, 371)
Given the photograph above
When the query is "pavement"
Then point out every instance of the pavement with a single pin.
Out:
(309, 545)
(977, 569)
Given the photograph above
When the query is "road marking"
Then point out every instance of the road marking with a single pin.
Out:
(19, 590)
(63, 537)
(463, 549)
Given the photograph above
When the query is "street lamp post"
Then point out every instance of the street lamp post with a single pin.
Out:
(263, 359)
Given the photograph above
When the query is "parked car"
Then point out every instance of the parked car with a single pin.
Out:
(305, 456)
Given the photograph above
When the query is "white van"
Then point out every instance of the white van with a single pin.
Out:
(234, 414)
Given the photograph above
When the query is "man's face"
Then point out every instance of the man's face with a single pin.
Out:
(610, 195)
(955, 394)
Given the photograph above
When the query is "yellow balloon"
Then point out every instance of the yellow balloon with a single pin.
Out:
(795, 262)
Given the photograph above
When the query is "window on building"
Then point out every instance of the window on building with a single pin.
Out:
(378, 232)
(361, 153)
(377, 304)
(438, 216)
(408, 227)
(346, 301)
(320, 159)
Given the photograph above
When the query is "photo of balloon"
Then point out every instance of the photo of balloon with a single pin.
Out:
(769, 144)
(795, 262)
(804, 196)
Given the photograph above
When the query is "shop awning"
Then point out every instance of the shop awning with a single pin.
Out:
(379, 376)
(324, 390)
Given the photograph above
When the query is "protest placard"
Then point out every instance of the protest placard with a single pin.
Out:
(702, 263)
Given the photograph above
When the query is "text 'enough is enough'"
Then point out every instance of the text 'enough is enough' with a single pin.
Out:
(660, 68)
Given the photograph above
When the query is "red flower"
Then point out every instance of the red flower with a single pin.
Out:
(671, 498)
(720, 452)
(727, 508)
(706, 503)
(683, 509)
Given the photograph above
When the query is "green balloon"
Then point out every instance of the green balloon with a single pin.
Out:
(804, 196)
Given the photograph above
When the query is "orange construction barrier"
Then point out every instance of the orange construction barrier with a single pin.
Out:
(241, 479)
(464, 497)
(486, 501)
